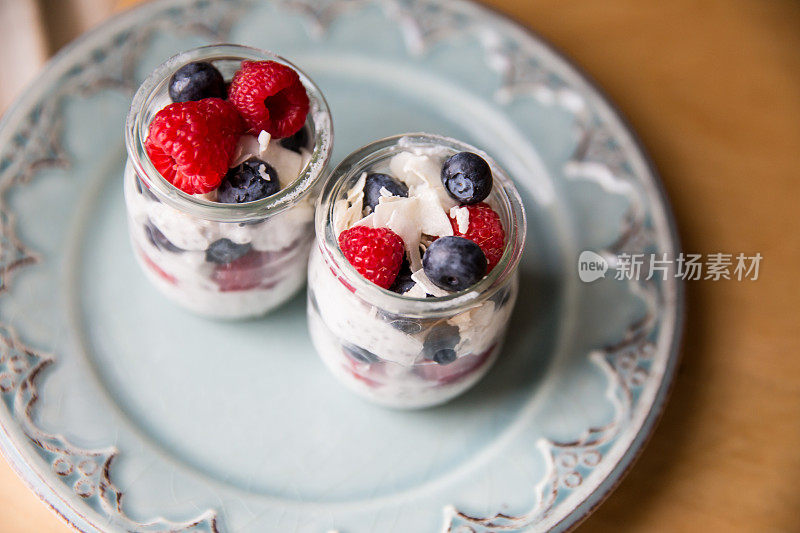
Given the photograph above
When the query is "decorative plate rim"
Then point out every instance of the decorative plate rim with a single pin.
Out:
(87, 519)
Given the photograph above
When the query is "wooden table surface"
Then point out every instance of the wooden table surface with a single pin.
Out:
(713, 89)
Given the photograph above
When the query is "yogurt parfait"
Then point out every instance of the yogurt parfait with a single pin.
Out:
(226, 147)
(414, 276)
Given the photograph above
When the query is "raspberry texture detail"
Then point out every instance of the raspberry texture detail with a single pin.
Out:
(191, 143)
(376, 253)
(485, 230)
(270, 97)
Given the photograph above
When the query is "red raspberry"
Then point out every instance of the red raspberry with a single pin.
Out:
(242, 274)
(270, 97)
(191, 143)
(485, 230)
(377, 253)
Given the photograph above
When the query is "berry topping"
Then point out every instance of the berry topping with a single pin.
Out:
(297, 141)
(454, 263)
(270, 97)
(191, 143)
(403, 282)
(439, 346)
(376, 253)
(467, 177)
(196, 81)
(224, 251)
(252, 180)
(486, 230)
(159, 240)
(376, 182)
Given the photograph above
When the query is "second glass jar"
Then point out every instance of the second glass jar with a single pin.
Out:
(383, 345)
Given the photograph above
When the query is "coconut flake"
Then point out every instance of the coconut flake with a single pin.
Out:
(347, 211)
(433, 219)
(263, 141)
(426, 284)
(247, 147)
(402, 216)
(416, 291)
(461, 216)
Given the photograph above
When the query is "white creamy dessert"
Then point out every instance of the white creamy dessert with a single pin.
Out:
(278, 246)
(226, 147)
(397, 359)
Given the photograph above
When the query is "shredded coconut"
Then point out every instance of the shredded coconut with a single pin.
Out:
(461, 216)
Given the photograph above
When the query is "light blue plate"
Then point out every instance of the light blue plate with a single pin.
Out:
(125, 413)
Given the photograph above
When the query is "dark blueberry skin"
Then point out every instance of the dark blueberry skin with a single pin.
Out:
(439, 346)
(225, 251)
(454, 263)
(360, 354)
(298, 140)
(196, 81)
(372, 189)
(403, 281)
(159, 240)
(467, 177)
(247, 182)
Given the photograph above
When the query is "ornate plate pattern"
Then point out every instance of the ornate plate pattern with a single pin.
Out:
(117, 430)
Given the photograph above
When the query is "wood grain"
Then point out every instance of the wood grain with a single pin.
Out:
(713, 89)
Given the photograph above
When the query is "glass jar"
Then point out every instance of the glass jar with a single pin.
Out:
(397, 350)
(216, 259)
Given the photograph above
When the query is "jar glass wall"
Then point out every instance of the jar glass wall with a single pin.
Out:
(389, 347)
(223, 260)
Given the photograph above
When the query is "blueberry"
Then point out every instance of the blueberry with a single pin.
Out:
(159, 240)
(360, 354)
(454, 263)
(297, 141)
(467, 177)
(440, 344)
(376, 182)
(403, 281)
(224, 251)
(196, 81)
(252, 180)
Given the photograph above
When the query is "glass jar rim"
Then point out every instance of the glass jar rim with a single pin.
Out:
(136, 132)
(503, 189)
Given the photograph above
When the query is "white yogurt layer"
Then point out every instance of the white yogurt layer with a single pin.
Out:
(394, 386)
(289, 232)
(354, 322)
